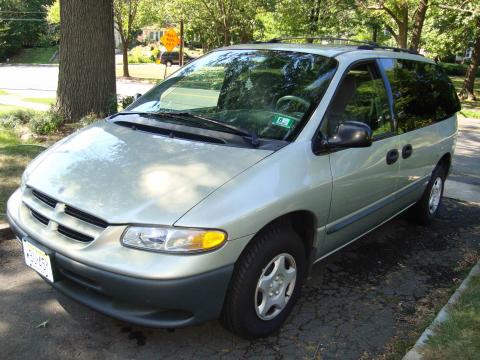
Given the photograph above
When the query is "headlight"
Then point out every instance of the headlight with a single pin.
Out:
(173, 240)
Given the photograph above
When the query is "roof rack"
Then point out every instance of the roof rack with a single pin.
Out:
(361, 45)
(392, 48)
(322, 38)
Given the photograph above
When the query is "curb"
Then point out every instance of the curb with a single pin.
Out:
(5, 232)
(415, 351)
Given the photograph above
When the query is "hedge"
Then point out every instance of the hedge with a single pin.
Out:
(457, 69)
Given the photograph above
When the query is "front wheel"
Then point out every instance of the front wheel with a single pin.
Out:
(425, 210)
(266, 284)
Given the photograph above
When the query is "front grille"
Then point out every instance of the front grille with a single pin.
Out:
(73, 234)
(46, 199)
(39, 217)
(85, 217)
(65, 219)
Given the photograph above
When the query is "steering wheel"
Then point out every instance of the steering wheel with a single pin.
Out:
(289, 98)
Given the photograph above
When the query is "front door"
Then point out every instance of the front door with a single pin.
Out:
(364, 179)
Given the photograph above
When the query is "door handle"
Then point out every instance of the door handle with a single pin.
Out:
(407, 150)
(392, 156)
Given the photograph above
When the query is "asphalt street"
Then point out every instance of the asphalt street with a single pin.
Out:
(41, 81)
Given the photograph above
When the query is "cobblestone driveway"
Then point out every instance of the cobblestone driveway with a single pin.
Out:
(364, 302)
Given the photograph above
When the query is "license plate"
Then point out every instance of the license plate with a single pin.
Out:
(38, 260)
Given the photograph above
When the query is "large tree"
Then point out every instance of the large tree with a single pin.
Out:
(86, 81)
(402, 17)
(125, 18)
(470, 9)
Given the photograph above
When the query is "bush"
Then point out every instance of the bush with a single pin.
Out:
(15, 118)
(44, 123)
(89, 119)
(126, 101)
(457, 69)
(139, 55)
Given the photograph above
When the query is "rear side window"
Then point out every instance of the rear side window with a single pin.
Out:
(446, 95)
(422, 93)
(361, 96)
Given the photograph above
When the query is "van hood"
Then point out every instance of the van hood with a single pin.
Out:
(127, 176)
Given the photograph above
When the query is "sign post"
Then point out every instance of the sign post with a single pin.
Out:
(181, 42)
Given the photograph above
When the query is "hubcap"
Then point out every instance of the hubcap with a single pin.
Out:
(275, 286)
(435, 195)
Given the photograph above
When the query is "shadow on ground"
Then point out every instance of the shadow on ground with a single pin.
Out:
(366, 301)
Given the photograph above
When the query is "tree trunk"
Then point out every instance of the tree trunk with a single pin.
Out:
(125, 45)
(86, 81)
(402, 35)
(467, 91)
(418, 24)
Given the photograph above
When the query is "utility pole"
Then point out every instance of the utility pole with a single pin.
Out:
(181, 42)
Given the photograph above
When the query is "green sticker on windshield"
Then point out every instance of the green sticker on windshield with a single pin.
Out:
(283, 121)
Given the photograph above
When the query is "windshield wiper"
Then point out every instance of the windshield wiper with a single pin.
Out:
(248, 135)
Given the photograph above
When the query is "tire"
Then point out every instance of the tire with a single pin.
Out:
(240, 312)
(425, 210)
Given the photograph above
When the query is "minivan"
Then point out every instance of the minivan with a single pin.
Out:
(213, 194)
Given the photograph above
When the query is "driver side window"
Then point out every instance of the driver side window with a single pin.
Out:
(361, 96)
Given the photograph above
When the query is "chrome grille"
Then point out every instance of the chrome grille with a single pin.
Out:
(61, 218)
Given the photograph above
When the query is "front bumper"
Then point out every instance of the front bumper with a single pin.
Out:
(166, 303)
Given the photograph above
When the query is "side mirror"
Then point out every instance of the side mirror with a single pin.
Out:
(350, 134)
(136, 96)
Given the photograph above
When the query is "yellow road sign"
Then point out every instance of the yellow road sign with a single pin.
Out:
(170, 39)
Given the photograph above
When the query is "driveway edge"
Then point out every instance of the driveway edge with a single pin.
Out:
(415, 351)
(5, 231)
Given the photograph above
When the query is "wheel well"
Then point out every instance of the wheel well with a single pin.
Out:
(446, 162)
(302, 222)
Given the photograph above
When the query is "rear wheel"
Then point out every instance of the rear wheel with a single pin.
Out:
(266, 284)
(425, 210)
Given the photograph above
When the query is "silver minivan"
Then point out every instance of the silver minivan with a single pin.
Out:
(212, 195)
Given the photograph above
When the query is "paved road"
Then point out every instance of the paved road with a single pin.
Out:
(464, 181)
(41, 81)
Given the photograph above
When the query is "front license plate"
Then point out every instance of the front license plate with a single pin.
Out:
(38, 260)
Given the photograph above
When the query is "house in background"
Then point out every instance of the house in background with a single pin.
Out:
(152, 33)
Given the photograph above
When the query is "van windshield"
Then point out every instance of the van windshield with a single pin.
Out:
(265, 92)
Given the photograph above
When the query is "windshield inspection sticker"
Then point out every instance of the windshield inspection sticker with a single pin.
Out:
(283, 121)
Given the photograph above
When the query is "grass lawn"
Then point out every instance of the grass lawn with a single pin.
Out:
(469, 108)
(47, 101)
(459, 336)
(34, 55)
(151, 72)
(8, 108)
(14, 156)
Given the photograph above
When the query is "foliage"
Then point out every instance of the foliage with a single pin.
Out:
(456, 69)
(53, 13)
(88, 119)
(13, 119)
(15, 34)
(44, 123)
(138, 55)
(220, 22)
(39, 122)
(126, 101)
